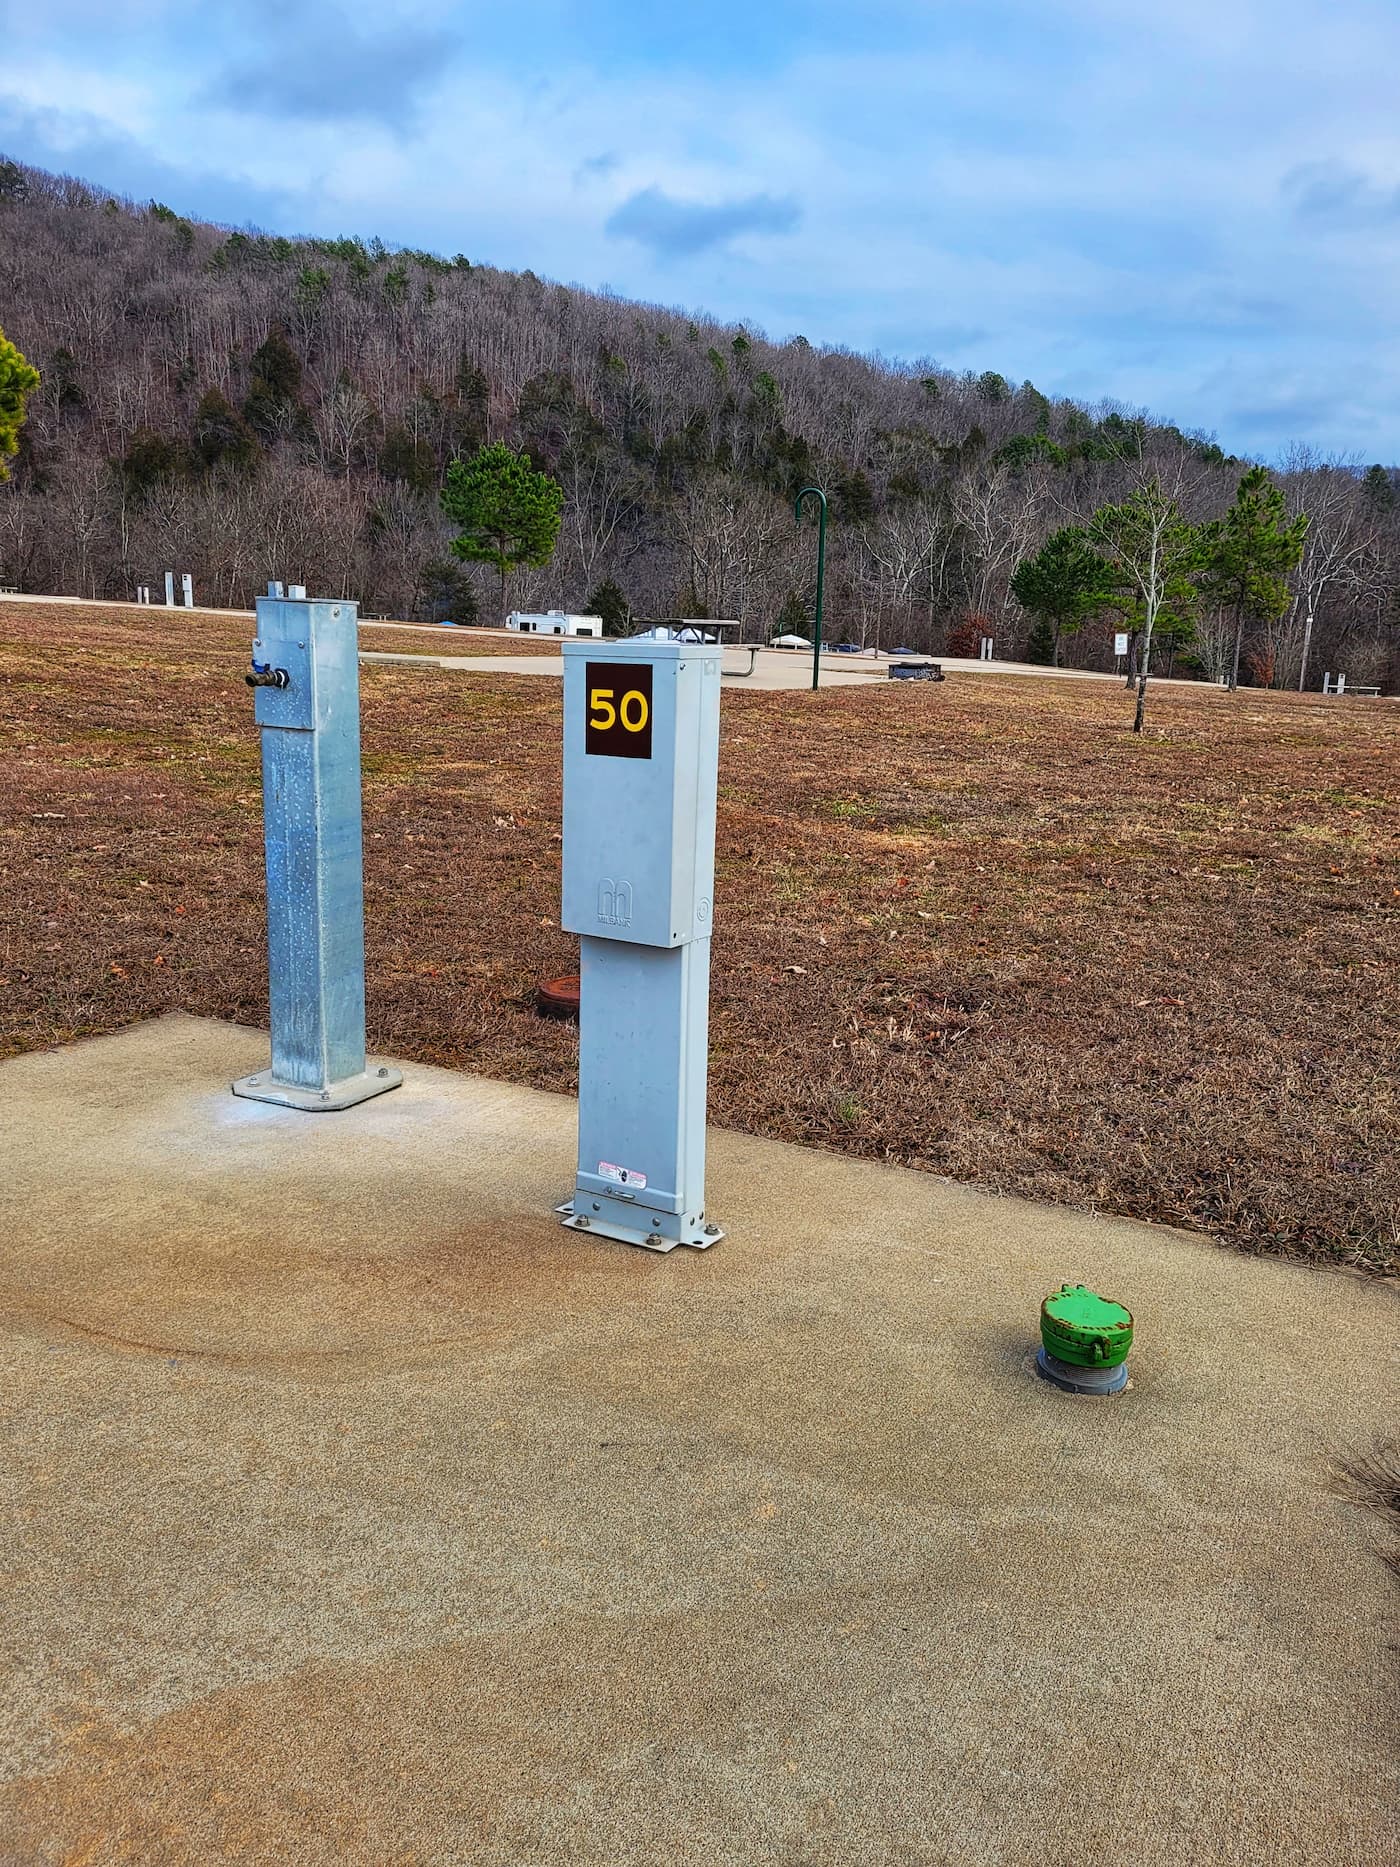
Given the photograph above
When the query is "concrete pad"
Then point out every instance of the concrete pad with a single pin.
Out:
(354, 1512)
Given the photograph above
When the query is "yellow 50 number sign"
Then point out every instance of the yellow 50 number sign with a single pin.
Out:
(618, 722)
(633, 710)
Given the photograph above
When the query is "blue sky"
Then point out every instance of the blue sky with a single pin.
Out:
(1188, 206)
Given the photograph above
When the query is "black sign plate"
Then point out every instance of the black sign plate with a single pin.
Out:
(618, 698)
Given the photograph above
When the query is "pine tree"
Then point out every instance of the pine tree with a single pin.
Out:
(274, 395)
(608, 602)
(1379, 487)
(508, 513)
(793, 617)
(405, 458)
(1249, 553)
(18, 381)
(1040, 644)
(855, 498)
(151, 458)
(446, 593)
(1064, 584)
(471, 398)
(221, 436)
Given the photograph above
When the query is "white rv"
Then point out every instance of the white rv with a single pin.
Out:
(553, 622)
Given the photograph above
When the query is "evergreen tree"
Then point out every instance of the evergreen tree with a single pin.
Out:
(1036, 405)
(1041, 647)
(1022, 450)
(793, 618)
(64, 386)
(274, 395)
(151, 458)
(406, 459)
(1379, 487)
(1065, 583)
(472, 399)
(508, 514)
(446, 593)
(608, 602)
(854, 498)
(221, 436)
(1248, 555)
(18, 381)
(313, 283)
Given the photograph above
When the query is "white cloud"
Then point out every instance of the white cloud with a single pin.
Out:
(1109, 196)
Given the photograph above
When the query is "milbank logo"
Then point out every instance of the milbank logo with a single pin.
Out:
(615, 903)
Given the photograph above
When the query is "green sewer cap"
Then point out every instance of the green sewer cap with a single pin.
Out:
(1085, 1329)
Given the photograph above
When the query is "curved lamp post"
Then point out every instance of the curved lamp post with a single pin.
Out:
(816, 492)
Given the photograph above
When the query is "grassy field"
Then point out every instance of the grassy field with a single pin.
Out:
(377, 635)
(978, 928)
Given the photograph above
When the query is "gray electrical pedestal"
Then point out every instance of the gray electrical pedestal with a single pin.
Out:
(641, 743)
(306, 682)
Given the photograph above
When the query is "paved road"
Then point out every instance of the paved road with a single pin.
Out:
(353, 1512)
(773, 667)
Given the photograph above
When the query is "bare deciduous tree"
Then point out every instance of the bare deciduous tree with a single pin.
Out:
(680, 442)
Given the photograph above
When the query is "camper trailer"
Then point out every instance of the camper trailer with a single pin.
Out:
(553, 622)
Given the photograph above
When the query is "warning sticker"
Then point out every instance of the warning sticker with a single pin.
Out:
(625, 1176)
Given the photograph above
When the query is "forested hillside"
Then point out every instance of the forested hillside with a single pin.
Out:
(245, 407)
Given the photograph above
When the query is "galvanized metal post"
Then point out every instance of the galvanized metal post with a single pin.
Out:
(641, 739)
(306, 680)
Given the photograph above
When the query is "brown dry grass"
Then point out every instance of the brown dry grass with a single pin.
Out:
(378, 634)
(977, 928)
(1371, 1481)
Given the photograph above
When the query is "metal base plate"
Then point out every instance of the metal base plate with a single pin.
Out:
(342, 1095)
(1074, 1380)
(699, 1238)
